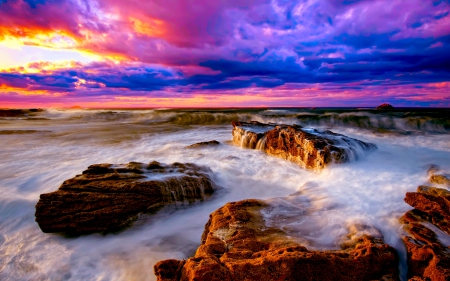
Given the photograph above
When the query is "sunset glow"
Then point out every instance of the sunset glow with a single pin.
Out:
(100, 53)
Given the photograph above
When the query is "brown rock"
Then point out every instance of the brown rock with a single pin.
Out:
(310, 148)
(204, 144)
(435, 202)
(427, 258)
(440, 179)
(435, 177)
(109, 197)
(238, 245)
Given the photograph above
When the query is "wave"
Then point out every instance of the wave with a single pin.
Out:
(400, 121)
(378, 122)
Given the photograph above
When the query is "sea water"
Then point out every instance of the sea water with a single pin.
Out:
(369, 191)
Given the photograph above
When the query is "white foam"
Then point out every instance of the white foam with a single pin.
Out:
(369, 191)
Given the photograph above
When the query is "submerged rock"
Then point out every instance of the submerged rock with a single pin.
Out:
(428, 258)
(237, 244)
(109, 197)
(310, 148)
(204, 144)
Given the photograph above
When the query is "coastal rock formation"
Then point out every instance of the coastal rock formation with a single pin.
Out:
(109, 197)
(310, 148)
(437, 176)
(204, 144)
(237, 244)
(434, 202)
(385, 106)
(428, 258)
(440, 179)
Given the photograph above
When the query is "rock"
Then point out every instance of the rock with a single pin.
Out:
(204, 144)
(310, 148)
(384, 106)
(238, 245)
(109, 197)
(427, 257)
(435, 202)
(19, 112)
(440, 179)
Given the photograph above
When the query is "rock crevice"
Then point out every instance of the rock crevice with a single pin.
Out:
(237, 245)
(428, 258)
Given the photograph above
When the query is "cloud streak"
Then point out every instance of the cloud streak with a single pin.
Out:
(270, 50)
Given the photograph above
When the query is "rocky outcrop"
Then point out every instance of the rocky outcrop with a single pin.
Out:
(310, 148)
(437, 176)
(434, 202)
(237, 244)
(384, 106)
(440, 179)
(204, 144)
(428, 258)
(109, 197)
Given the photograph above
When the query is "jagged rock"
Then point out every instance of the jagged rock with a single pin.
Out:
(310, 148)
(385, 106)
(428, 259)
(109, 197)
(204, 144)
(238, 245)
(435, 202)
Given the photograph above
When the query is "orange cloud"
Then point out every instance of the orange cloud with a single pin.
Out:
(148, 27)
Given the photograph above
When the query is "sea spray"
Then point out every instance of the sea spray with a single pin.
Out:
(368, 191)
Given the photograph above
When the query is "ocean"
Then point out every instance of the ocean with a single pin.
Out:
(39, 150)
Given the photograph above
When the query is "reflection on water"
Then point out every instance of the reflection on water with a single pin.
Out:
(369, 191)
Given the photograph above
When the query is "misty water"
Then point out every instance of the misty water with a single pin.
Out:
(41, 150)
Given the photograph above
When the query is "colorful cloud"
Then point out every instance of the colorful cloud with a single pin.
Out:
(226, 53)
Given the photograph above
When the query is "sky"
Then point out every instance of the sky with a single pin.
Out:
(224, 53)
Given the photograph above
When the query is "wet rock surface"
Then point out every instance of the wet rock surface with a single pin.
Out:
(434, 202)
(310, 148)
(204, 144)
(437, 176)
(238, 245)
(428, 255)
(109, 197)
